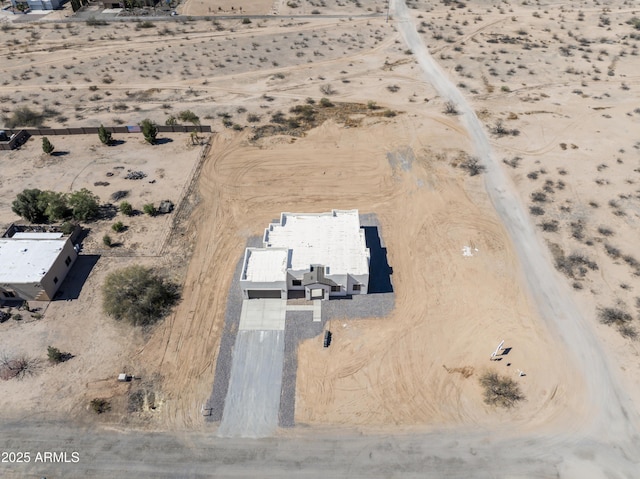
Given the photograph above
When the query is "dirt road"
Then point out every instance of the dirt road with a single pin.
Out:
(610, 414)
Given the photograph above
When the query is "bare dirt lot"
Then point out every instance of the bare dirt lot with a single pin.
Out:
(557, 90)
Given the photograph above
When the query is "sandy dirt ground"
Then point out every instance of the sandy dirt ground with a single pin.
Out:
(419, 366)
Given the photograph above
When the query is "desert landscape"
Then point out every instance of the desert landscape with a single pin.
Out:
(497, 145)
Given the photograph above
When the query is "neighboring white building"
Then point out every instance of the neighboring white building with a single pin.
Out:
(39, 4)
(33, 265)
(323, 254)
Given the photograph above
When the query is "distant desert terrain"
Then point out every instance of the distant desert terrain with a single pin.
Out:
(557, 87)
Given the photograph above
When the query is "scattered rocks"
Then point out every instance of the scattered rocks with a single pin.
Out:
(135, 175)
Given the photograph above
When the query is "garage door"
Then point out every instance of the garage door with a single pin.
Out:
(264, 293)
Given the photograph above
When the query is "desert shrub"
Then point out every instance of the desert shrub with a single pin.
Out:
(501, 391)
(126, 208)
(107, 241)
(28, 206)
(47, 146)
(138, 295)
(24, 116)
(253, 118)
(612, 251)
(388, 113)
(472, 165)
(146, 24)
(56, 205)
(188, 115)
(246, 21)
(118, 227)
(118, 195)
(538, 197)
(171, 120)
(327, 90)
(613, 316)
(84, 205)
(450, 108)
(17, 367)
(575, 265)
(68, 227)
(94, 22)
(149, 131)
(56, 356)
(149, 209)
(106, 138)
(325, 103)
(605, 231)
(549, 226)
(100, 405)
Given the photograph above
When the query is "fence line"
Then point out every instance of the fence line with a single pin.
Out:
(112, 129)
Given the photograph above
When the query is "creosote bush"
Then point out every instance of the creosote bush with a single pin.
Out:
(100, 405)
(138, 295)
(501, 391)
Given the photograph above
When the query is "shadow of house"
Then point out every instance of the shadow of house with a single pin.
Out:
(77, 277)
(379, 270)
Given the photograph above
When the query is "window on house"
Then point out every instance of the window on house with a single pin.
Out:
(67, 261)
(9, 294)
(55, 280)
(297, 282)
(356, 287)
(335, 288)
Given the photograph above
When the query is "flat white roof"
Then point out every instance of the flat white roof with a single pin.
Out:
(266, 265)
(27, 260)
(332, 239)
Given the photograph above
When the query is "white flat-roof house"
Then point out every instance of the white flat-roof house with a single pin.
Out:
(322, 254)
(33, 265)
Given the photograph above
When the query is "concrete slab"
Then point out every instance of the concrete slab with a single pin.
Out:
(317, 310)
(253, 399)
(263, 315)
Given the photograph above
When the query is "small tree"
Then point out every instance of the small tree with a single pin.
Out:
(100, 405)
(84, 205)
(149, 130)
(29, 206)
(500, 390)
(105, 136)
(188, 115)
(47, 146)
(126, 208)
(138, 295)
(56, 356)
(107, 241)
(149, 209)
(55, 205)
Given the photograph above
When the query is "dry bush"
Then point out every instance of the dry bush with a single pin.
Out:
(501, 391)
(575, 265)
(472, 165)
(100, 405)
(19, 366)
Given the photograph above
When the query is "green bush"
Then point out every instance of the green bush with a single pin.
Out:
(47, 146)
(188, 115)
(107, 241)
(149, 130)
(138, 295)
(29, 206)
(56, 356)
(84, 205)
(126, 208)
(118, 227)
(149, 209)
(105, 136)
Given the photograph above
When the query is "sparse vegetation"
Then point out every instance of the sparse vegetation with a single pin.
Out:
(150, 209)
(100, 405)
(472, 165)
(19, 366)
(39, 206)
(126, 208)
(56, 356)
(501, 391)
(118, 227)
(138, 295)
